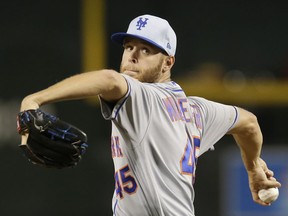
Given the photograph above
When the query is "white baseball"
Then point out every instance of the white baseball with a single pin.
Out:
(268, 195)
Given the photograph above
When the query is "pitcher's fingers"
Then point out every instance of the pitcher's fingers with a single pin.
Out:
(269, 173)
(24, 138)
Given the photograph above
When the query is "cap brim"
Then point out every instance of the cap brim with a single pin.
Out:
(119, 38)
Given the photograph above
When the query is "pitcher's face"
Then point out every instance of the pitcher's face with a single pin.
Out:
(142, 60)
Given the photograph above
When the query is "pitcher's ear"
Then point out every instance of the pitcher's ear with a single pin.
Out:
(169, 62)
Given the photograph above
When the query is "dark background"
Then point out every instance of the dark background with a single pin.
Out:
(41, 43)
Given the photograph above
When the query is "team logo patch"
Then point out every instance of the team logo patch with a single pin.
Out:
(141, 23)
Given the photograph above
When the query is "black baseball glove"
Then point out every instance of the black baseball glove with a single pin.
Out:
(51, 141)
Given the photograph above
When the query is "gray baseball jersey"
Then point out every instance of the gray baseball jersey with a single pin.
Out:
(157, 135)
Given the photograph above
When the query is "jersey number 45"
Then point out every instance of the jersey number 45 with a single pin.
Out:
(189, 159)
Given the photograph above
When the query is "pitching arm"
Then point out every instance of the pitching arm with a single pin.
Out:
(248, 135)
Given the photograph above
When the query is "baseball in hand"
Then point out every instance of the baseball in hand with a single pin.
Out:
(268, 195)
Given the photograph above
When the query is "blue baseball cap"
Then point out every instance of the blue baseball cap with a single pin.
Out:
(154, 30)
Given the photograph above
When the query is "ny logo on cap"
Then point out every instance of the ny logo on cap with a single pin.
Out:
(141, 23)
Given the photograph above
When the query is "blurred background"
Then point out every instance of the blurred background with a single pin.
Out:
(233, 52)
